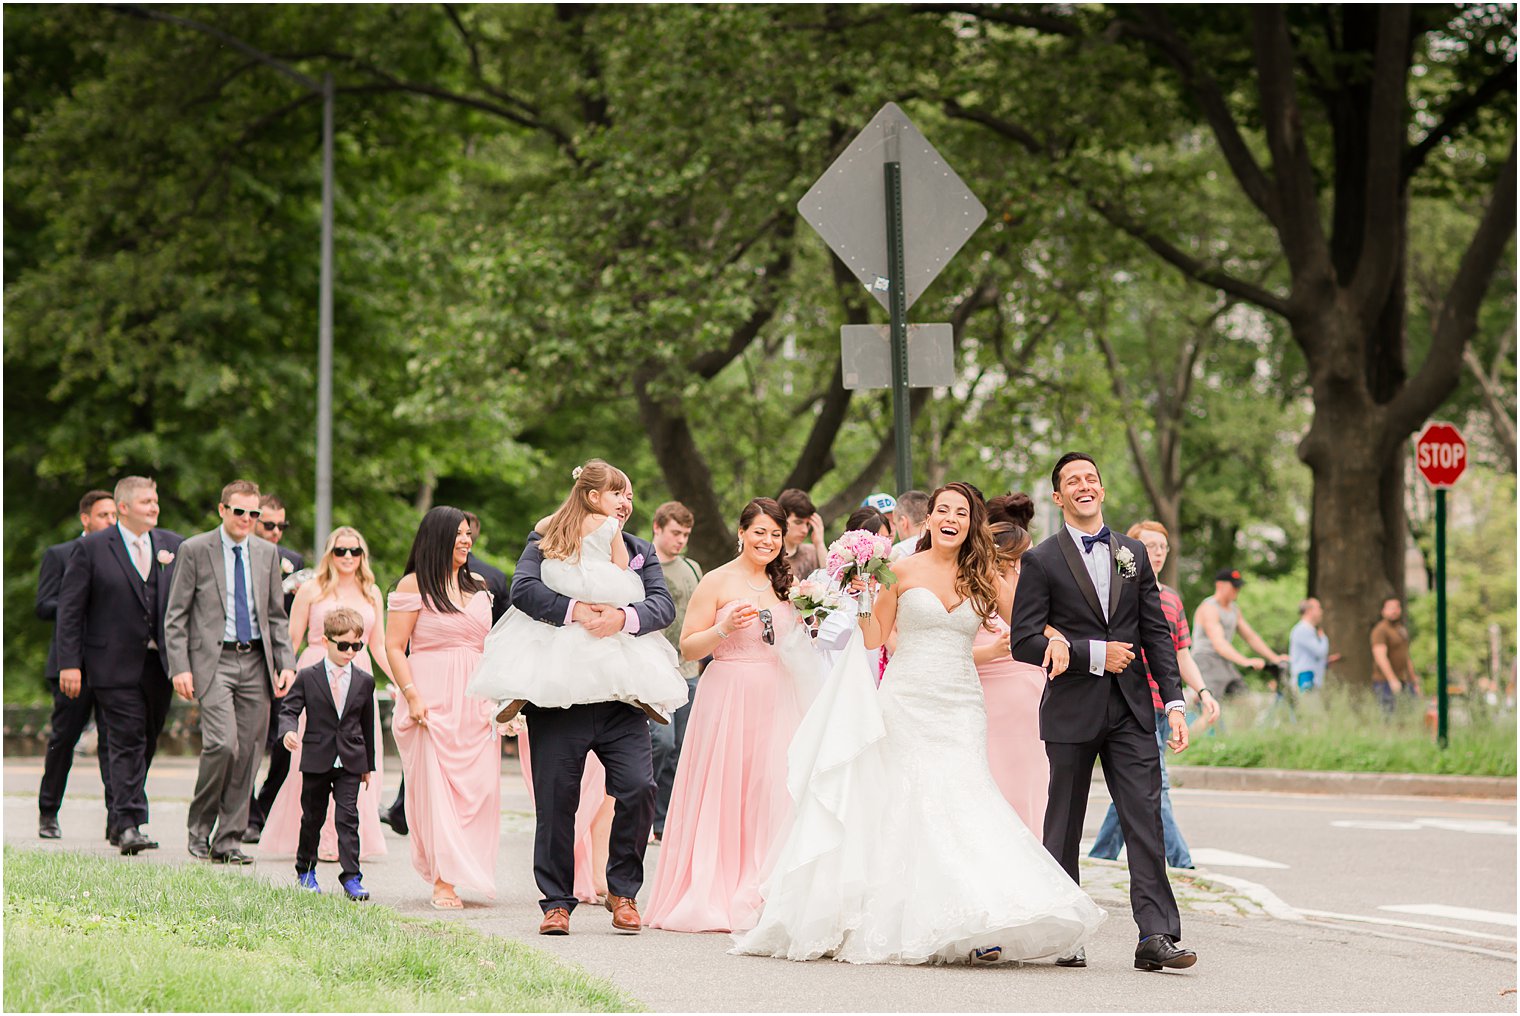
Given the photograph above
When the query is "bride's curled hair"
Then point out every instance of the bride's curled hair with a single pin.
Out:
(779, 571)
(562, 531)
(977, 566)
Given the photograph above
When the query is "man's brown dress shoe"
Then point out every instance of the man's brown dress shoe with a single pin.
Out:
(556, 922)
(625, 913)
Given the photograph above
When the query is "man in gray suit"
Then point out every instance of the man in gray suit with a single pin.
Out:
(229, 649)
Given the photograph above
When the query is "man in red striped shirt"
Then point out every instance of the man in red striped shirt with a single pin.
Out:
(1111, 837)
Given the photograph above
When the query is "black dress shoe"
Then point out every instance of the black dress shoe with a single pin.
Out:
(112, 836)
(251, 834)
(396, 820)
(1077, 958)
(200, 850)
(233, 856)
(47, 827)
(1160, 951)
(133, 841)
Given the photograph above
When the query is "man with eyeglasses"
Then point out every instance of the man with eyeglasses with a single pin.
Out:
(271, 527)
(111, 618)
(229, 650)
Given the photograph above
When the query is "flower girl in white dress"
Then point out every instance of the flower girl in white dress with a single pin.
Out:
(552, 666)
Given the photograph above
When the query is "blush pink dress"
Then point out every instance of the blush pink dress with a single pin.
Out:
(593, 792)
(729, 805)
(453, 766)
(1015, 753)
(282, 827)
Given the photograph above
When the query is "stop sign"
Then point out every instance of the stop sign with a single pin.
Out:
(1440, 454)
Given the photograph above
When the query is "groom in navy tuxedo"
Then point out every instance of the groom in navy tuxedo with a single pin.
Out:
(1097, 589)
(616, 731)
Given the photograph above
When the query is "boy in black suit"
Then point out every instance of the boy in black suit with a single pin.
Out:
(337, 750)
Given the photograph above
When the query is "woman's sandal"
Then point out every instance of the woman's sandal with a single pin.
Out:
(447, 903)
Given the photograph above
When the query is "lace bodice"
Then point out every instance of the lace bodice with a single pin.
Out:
(749, 643)
(925, 629)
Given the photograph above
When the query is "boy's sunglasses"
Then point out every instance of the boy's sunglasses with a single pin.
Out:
(344, 647)
(240, 512)
(348, 552)
(767, 627)
(272, 526)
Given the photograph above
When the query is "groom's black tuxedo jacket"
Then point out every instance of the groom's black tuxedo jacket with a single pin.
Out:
(1055, 589)
(532, 597)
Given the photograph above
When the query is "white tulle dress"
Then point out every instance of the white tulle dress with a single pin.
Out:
(902, 849)
(555, 666)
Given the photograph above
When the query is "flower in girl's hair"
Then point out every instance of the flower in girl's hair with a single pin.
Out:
(861, 553)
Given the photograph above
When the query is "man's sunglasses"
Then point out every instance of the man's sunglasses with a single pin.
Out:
(240, 512)
(344, 647)
(270, 527)
(348, 552)
(767, 627)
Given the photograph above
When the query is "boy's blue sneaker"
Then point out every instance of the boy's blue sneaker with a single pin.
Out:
(355, 889)
(308, 880)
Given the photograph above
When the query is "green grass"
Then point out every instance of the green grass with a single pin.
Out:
(95, 934)
(1338, 731)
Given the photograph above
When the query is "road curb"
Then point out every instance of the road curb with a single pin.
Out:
(1300, 781)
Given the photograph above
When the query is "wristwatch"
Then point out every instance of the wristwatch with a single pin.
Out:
(1202, 690)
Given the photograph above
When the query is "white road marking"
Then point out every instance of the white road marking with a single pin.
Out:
(1416, 925)
(1454, 913)
(1214, 857)
(1475, 825)
(1361, 823)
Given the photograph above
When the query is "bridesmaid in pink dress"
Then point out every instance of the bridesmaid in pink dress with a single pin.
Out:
(450, 750)
(343, 578)
(730, 804)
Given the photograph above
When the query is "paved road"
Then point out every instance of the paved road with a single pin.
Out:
(1393, 853)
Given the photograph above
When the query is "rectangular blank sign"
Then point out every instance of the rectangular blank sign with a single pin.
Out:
(866, 353)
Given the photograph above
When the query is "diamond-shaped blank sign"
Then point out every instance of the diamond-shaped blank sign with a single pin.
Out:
(866, 355)
(847, 206)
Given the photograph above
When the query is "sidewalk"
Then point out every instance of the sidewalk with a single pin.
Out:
(1249, 959)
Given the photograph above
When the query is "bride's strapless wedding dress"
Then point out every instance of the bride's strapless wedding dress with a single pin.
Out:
(902, 848)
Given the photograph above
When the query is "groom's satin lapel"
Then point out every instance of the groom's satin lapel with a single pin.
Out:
(1113, 576)
(1079, 571)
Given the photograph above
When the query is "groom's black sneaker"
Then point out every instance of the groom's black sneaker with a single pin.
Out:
(1073, 959)
(1159, 951)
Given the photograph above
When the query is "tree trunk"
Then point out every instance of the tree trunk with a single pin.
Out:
(686, 473)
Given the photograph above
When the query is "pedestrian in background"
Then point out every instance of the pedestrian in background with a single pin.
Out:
(1309, 653)
(1392, 670)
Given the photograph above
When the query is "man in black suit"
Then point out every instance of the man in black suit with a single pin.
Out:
(97, 511)
(616, 731)
(111, 628)
(337, 750)
(1097, 589)
(271, 527)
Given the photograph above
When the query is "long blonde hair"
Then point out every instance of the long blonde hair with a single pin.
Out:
(326, 576)
(562, 533)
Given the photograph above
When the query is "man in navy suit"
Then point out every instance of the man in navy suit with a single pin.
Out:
(97, 511)
(616, 731)
(111, 633)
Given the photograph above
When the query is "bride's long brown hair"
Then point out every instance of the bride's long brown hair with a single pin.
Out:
(976, 564)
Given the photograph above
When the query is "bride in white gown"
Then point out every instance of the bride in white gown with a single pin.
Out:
(902, 849)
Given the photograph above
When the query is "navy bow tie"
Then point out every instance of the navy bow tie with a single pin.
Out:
(1101, 536)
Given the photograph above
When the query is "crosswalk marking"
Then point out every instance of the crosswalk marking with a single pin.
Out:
(1454, 913)
(1213, 856)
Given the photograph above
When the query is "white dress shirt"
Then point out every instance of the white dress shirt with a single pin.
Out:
(1098, 567)
(229, 632)
(143, 563)
(344, 676)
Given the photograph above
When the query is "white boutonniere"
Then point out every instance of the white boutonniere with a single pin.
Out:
(165, 558)
(1125, 558)
(286, 566)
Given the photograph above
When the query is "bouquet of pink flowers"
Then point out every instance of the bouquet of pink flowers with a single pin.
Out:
(814, 600)
(865, 555)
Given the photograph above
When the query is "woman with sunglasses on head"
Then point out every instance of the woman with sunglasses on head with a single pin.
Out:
(343, 579)
(729, 803)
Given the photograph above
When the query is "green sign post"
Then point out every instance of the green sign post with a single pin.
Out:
(1440, 454)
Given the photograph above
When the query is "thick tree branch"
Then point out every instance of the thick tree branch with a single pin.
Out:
(147, 14)
(1191, 267)
(1299, 226)
(1382, 244)
(1458, 316)
(1459, 112)
(1024, 137)
(710, 364)
(1157, 29)
(1131, 432)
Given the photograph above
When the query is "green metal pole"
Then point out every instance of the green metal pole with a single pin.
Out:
(1441, 715)
(902, 423)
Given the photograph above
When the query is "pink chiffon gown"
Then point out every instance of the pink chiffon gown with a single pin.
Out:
(729, 805)
(593, 792)
(1015, 753)
(282, 827)
(453, 766)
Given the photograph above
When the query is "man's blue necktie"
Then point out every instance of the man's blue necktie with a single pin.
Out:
(241, 621)
(1101, 536)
